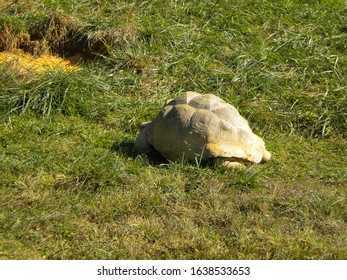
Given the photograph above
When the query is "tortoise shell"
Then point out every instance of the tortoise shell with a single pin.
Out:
(204, 126)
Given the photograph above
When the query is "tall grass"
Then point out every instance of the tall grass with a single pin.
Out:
(55, 91)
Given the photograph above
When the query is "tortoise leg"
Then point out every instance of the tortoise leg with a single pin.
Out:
(266, 156)
(141, 143)
(229, 163)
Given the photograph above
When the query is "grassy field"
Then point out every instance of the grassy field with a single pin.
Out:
(71, 184)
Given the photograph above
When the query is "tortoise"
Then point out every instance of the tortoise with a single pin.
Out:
(202, 126)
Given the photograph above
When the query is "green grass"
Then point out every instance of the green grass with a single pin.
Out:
(71, 185)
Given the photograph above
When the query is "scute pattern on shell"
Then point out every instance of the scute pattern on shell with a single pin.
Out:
(196, 124)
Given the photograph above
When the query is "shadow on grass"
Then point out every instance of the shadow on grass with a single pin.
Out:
(127, 148)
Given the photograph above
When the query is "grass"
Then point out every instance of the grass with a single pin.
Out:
(71, 185)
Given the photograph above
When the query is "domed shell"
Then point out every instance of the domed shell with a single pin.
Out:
(201, 125)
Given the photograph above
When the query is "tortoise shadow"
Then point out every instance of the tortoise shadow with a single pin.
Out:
(127, 148)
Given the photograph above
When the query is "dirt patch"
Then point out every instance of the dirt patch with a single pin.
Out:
(65, 36)
(56, 42)
(10, 40)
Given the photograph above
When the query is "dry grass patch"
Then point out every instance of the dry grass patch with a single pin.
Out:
(24, 63)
